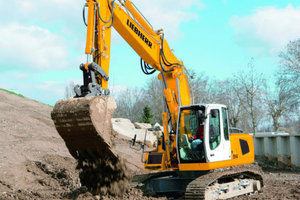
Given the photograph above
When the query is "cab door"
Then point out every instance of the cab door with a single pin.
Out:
(217, 143)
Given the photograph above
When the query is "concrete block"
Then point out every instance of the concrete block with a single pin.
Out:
(142, 125)
(270, 148)
(259, 146)
(283, 151)
(127, 129)
(283, 148)
(295, 150)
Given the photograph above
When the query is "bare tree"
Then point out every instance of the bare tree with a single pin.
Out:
(286, 98)
(249, 87)
(289, 74)
(154, 98)
(228, 96)
(297, 126)
(129, 104)
(132, 101)
(202, 89)
(280, 104)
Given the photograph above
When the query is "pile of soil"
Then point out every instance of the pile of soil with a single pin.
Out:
(52, 176)
(35, 163)
(34, 160)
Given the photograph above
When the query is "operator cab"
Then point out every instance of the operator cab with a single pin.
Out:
(203, 134)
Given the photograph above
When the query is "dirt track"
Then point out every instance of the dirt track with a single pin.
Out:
(35, 164)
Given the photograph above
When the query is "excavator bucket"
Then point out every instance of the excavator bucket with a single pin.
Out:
(85, 126)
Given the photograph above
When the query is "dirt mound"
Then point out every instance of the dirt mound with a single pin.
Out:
(26, 130)
(51, 177)
(34, 160)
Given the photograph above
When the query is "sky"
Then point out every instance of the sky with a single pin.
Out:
(42, 42)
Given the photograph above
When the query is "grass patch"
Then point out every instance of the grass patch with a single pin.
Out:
(10, 92)
(20, 95)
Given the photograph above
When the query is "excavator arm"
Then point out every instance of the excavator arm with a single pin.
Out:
(151, 46)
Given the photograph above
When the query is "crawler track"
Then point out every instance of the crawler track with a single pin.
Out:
(226, 183)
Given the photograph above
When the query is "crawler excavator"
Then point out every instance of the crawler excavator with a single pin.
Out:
(196, 156)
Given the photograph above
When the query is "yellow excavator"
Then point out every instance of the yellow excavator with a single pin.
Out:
(196, 156)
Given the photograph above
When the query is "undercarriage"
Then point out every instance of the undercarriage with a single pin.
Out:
(221, 183)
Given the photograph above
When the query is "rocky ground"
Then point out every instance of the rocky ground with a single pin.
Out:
(35, 164)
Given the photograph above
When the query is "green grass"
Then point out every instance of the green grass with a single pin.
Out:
(20, 95)
(11, 92)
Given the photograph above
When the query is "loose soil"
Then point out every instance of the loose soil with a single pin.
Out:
(35, 163)
(85, 125)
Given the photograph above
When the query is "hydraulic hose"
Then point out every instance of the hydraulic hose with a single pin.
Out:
(83, 15)
(166, 62)
(145, 67)
(111, 9)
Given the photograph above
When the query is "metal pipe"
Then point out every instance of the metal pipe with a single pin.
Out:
(164, 86)
(90, 28)
(178, 91)
(89, 58)
(140, 19)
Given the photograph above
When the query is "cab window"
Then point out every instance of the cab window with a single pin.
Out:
(190, 135)
(214, 129)
(225, 123)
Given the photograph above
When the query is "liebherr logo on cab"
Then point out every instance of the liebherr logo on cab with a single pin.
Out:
(139, 33)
